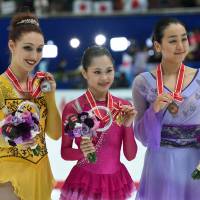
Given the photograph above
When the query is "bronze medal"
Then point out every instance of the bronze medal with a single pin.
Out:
(173, 108)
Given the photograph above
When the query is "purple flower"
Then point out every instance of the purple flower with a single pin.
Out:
(20, 127)
(70, 134)
(16, 120)
(81, 124)
(77, 132)
(85, 130)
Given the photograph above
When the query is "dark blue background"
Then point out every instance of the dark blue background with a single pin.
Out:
(62, 29)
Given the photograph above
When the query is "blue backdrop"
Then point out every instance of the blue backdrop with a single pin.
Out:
(62, 29)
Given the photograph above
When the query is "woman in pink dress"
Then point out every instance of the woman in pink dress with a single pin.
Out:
(107, 178)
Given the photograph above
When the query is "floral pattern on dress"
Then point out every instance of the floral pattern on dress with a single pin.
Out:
(180, 136)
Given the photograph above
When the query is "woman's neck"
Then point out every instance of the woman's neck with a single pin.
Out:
(99, 96)
(170, 68)
(20, 74)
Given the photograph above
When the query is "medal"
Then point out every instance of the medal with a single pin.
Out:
(172, 107)
(92, 102)
(33, 84)
(45, 86)
(119, 119)
(114, 107)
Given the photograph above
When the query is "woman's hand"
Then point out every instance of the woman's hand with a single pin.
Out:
(53, 126)
(162, 101)
(50, 78)
(129, 114)
(87, 146)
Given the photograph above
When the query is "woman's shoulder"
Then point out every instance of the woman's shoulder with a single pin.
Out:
(191, 73)
(144, 79)
(191, 70)
(74, 104)
(6, 86)
(145, 75)
(4, 79)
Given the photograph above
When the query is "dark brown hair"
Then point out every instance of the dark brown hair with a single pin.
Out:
(161, 26)
(21, 23)
(92, 52)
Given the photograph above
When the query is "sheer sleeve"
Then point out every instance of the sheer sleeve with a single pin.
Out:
(67, 152)
(148, 124)
(129, 144)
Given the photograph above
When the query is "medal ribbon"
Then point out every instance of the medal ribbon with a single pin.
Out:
(115, 108)
(34, 92)
(179, 83)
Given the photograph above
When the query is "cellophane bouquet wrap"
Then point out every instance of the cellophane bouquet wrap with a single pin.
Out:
(21, 127)
(196, 172)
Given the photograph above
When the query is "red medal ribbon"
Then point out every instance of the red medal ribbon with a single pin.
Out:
(115, 108)
(179, 83)
(34, 92)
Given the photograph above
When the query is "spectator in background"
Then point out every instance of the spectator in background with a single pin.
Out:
(61, 74)
(121, 81)
(194, 39)
(140, 60)
(21, 4)
(60, 6)
(186, 3)
(126, 66)
(118, 4)
(41, 6)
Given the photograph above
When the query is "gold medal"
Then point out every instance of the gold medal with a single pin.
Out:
(173, 108)
(119, 119)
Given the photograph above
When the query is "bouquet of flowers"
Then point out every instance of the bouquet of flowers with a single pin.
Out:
(82, 125)
(196, 172)
(21, 126)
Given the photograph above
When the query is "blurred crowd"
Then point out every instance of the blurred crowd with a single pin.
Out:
(136, 59)
(42, 7)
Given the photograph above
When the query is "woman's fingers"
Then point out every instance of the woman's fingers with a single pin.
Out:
(87, 147)
(162, 101)
(165, 98)
(50, 78)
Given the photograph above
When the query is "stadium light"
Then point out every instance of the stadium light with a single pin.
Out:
(119, 43)
(75, 42)
(50, 50)
(100, 39)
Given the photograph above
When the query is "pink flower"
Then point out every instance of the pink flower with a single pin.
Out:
(96, 124)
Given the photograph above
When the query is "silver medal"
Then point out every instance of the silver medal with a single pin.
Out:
(45, 86)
